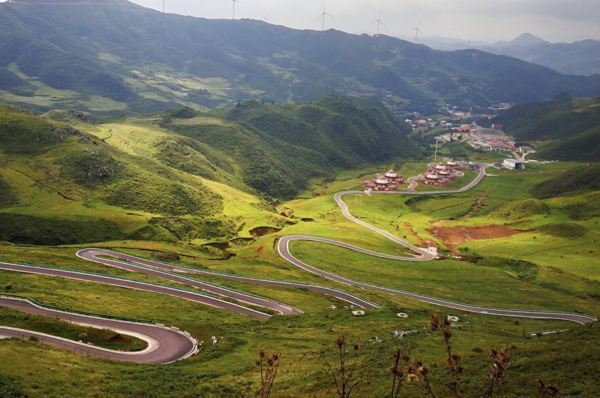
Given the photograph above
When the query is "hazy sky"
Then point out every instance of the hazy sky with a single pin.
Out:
(487, 20)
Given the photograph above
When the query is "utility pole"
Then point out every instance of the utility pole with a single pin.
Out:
(436, 150)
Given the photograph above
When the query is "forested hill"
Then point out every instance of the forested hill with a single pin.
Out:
(572, 126)
(114, 56)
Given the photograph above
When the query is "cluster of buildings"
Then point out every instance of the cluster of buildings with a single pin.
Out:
(443, 173)
(493, 145)
(490, 139)
(486, 139)
(385, 182)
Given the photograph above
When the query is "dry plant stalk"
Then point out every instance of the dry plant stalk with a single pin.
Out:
(547, 390)
(453, 363)
(500, 363)
(398, 371)
(413, 373)
(343, 376)
(269, 365)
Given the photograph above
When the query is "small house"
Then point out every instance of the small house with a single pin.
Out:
(513, 164)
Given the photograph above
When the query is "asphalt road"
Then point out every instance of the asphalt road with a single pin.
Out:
(164, 345)
(130, 284)
(156, 269)
(133, 263)
(283, 246)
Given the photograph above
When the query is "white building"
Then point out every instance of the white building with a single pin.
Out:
(513, 164)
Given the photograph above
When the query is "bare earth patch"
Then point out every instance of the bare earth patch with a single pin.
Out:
(262, 231)
(452, 236)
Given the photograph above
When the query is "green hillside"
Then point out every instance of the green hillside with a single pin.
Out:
(178, 175)
(585, 179)
(174, 186)
(113, 56)
(584, 146)
(570, 125)
(62, 185)
(280, 147)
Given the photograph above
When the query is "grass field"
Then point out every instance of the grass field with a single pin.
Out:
(549, 265)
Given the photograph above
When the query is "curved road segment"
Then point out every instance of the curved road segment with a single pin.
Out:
(132, 263)
(164, 345)
(283, 246)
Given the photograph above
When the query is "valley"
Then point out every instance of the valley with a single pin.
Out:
(536, 280)
(194, 207)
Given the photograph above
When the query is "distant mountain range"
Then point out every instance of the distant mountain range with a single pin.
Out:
(576, 58)
(112, 56)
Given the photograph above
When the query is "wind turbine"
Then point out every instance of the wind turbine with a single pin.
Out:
(163, 6)
(418, 31)
(324, 15)
(234, 4)
(379, 22)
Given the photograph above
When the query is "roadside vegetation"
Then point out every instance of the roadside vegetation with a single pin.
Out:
(98, 337)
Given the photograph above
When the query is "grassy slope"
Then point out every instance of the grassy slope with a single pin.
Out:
(584, 179)
(571, 124)
(76, 188)
(227, 369)
(138, 178)
(98, 337)
(558, 240)
(280, 147)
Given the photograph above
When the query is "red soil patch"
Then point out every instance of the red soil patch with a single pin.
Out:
(452, 236)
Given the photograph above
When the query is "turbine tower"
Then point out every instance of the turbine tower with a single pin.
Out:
(324, 15)
(418, 31)
(379, 23)
(234, 4)
(163, 6)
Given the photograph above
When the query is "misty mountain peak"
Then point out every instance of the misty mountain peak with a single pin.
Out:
(527, 39)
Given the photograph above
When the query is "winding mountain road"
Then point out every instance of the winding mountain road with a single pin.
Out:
(283, 247)
(132, 263)
(165, 345)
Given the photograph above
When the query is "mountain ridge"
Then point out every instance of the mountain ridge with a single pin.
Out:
(111, 58)
(581, 57)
